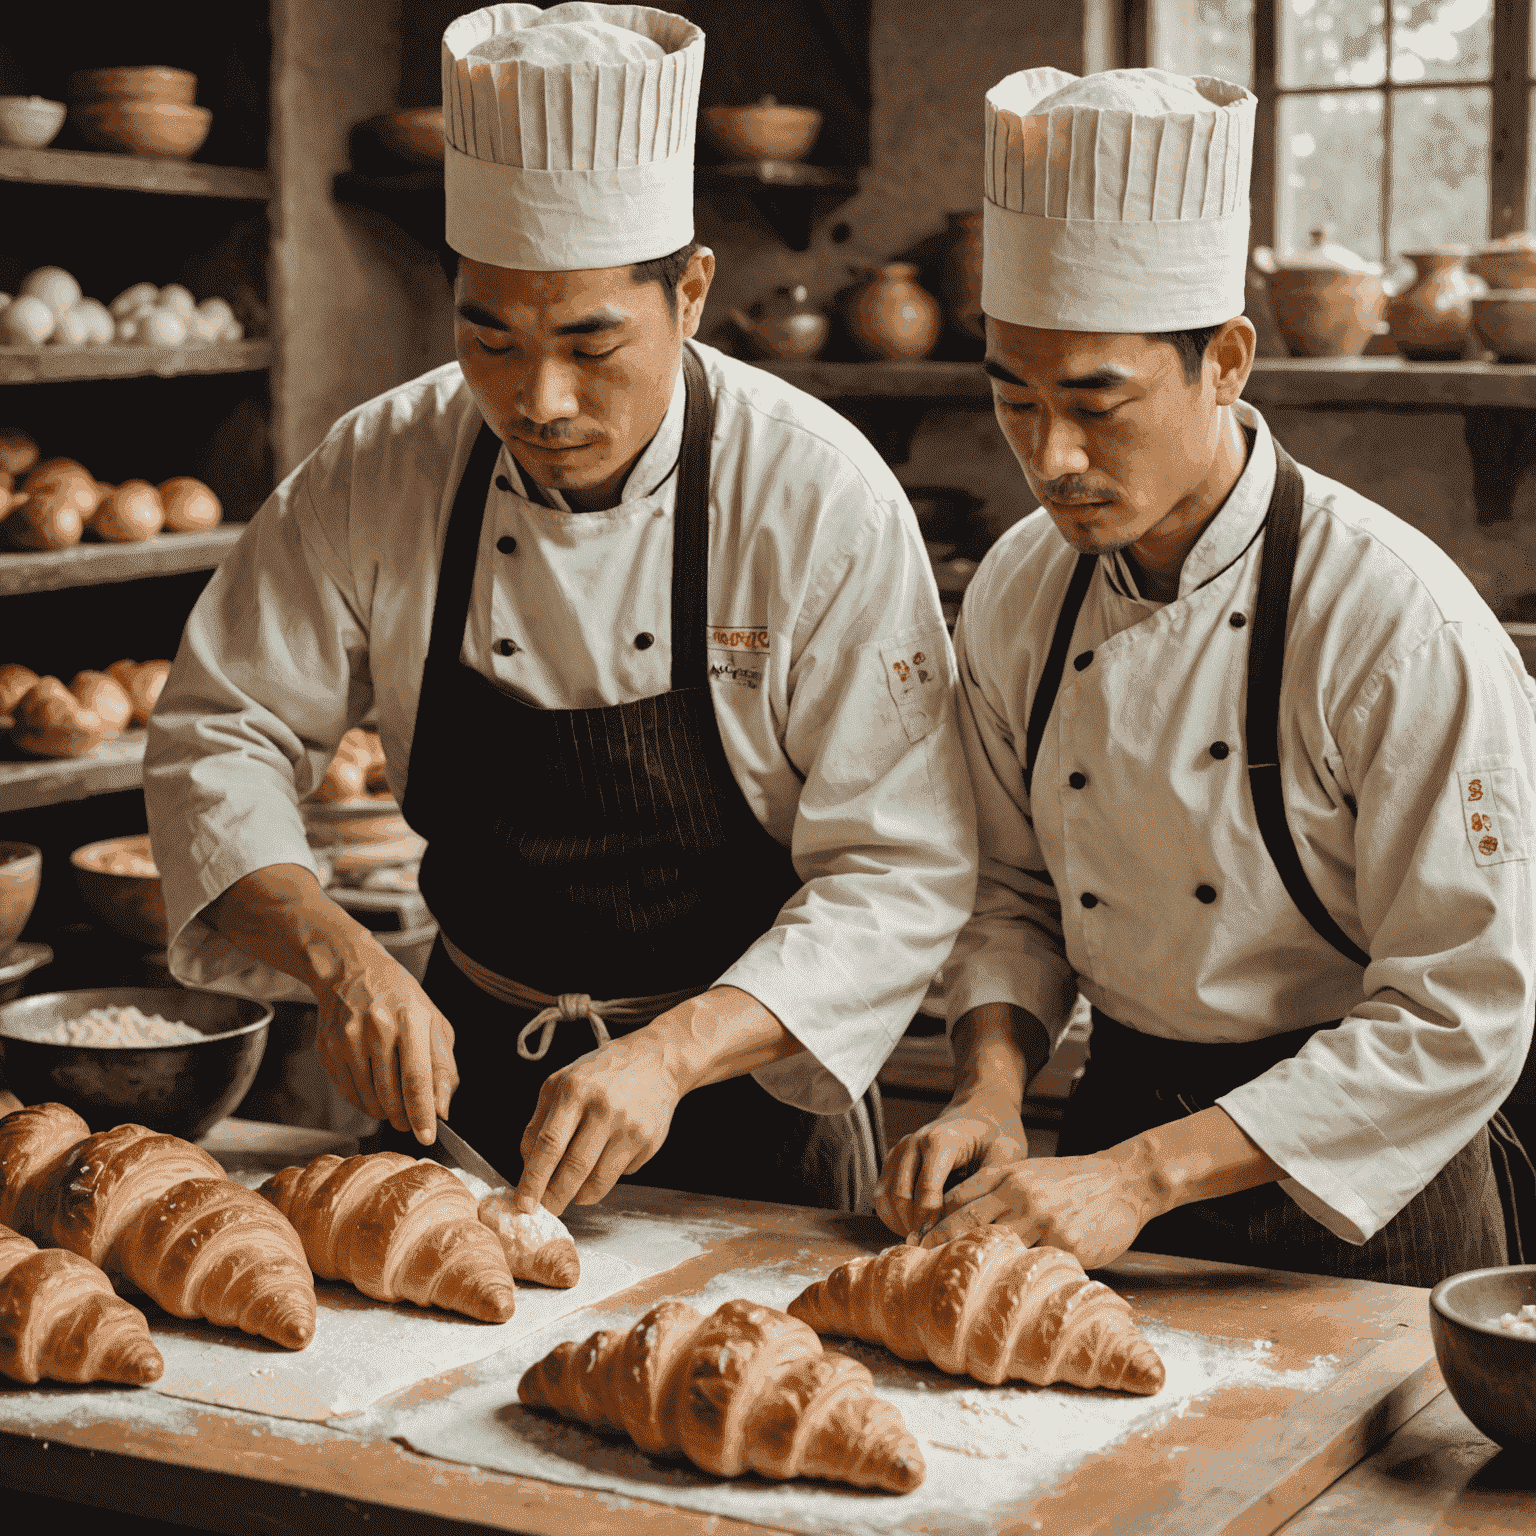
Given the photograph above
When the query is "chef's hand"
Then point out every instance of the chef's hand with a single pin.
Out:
(981, 1131)
(608, 1113)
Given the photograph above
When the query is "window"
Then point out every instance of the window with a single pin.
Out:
(1397, 123)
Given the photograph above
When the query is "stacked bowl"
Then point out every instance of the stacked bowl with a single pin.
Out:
(139, 110)
(1505, 317)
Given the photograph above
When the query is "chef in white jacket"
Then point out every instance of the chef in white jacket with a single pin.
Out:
(659, 668)
(1252, 762)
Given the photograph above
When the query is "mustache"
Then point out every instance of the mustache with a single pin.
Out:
(1073, 488)
(554, 433)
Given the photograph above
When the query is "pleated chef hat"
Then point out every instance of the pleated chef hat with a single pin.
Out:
(569, 134)
(1116, 201)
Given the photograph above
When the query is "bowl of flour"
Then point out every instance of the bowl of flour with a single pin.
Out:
(164, 1057)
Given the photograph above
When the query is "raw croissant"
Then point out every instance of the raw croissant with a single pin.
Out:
(744, 1389)
(159, 1212)
(59, 1318)
(398, 1229)
(538, 1246)
(988, 1306)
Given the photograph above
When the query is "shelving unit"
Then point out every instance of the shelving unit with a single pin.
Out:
(115, 765)
(167, 554)
(64, 365)
(132, 173)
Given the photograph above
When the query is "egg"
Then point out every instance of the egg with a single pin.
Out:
(232, 331)
(130, 514)
(73, 330)
(54, 286)
(190, 507)
(216, 312)
(27, 322)
(140, 296)
(162, 328)
(128, 328)
(174, 296)
(99, 322)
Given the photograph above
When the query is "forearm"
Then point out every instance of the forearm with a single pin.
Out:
(721, 1033)
(1198, 1157)
(998, 1048)
(280, 916)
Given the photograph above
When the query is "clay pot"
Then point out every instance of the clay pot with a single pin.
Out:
(163, 129)
(1507, 263)
(1506, 323)
(960, 282)
(21, 872)
(785, 325)
(888, 315)
(1327, 301)
(1431, 319)
(134, 82)
(766, 131)
(411, 134)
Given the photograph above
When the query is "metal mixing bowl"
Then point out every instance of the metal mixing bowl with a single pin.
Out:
(1491, 1373)
(180, 1089)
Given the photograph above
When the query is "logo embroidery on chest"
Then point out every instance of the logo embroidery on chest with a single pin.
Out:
(738, 653)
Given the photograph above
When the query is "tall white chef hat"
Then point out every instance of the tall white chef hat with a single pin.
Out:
(569, 134)
(1116, 201)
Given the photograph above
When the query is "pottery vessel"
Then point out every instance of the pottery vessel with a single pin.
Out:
(127, 899)
(134, 82)
(1327, 301)
(766, 131)
(1431, 319)
(30, 122)
(21, 872)
(163, 129)
(1491, 1374)
(1507, 263)
(1505, 322)
(888, 315)
(786, 325)
(960, 282)
(412, 134)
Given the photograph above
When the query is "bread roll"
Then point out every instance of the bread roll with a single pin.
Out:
(15, 681)
(49, 721)
(144, 681)
(130, 514)
(18, 453)
(106, 696)
(190, 507)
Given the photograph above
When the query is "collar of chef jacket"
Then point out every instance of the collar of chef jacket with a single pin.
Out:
(651, 471)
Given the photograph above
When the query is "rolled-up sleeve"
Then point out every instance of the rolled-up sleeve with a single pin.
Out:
(271, 671)
(1438, 748)
(883, 833)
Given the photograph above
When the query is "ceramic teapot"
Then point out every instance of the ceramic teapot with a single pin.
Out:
(1327, 300)
(785, 325)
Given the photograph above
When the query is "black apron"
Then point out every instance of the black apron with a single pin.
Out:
(608, 851)
(1135, 1081)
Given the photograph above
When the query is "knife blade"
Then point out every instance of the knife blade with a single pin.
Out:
(464, 1156)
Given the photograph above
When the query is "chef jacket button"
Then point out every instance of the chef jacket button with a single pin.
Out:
(644, 641)
(1238, 620)
(502, 483)
(1205, 893)
(1088, 899)
(1080, 662)
(1077, 780)
(507, 544)
(507, 647)
(1219, 750)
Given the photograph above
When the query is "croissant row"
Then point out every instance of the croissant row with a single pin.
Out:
(398, 1229)
(988, 1306)
(744, 1389)
(156, 1211)
(60, 1319)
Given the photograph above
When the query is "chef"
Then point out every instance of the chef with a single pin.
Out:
(1252, 762)
(659, 668)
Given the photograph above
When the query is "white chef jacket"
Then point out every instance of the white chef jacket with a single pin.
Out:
(832, 677)
(1405, 753)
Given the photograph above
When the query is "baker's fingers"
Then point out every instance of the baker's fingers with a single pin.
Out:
(893, 1194)
(586, 1151)
(611, 1166)
(979, 1213)
(544, 1143)
(945, 1148)
(417, 1089)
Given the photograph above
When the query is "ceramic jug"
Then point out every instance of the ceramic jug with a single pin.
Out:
(1431, 319)
(888, 315)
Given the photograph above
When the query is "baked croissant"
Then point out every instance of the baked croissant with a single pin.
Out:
(157, 1211)
(59, 1318)
(398, 1229)
(746, 1389)
(538, 1246)
(988, 1306)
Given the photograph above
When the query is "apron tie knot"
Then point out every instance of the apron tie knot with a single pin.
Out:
(568, 1007)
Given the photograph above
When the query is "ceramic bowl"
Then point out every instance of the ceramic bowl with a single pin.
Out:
(16, 964)
(166, 130)
(764, 132)
(134, 82)
(1323, 312)
(1512, 267)
(1505, 322)
(131, 904)
(21, 872)
(30, 122)
(413, 134)
(182, 1090)
(1491, 1374)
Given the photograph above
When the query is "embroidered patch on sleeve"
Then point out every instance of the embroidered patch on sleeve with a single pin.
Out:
(918, 673)
(1490, 807)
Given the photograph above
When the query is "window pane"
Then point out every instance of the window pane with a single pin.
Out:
(1223, 40)
(1332, 42)
(1329, 171)
(1440, 154)
(1442, 40)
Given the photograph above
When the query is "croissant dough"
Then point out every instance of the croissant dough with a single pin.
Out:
(59, 1319)
(744, 1389)
(986, 1305)
(538, 1246)
(157, 1211)
(398, 1229)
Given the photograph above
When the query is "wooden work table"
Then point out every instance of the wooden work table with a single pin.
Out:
(225, 1470)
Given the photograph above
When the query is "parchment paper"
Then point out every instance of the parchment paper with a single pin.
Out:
(988, 1449)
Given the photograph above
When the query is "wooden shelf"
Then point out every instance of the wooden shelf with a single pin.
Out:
(93, 565)
(132, 173)
(113, 766)
(919, 380)
(57, 365)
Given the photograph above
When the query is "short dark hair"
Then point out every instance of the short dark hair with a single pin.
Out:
(1190, 345)
(666, 270)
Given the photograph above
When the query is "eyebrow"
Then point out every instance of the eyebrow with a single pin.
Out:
(602, 320)
(1107, 377)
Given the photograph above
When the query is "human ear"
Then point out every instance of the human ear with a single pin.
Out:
(1231, 355)
(693, 289)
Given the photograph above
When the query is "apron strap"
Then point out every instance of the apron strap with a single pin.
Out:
(690, 528)
(1056, 659)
